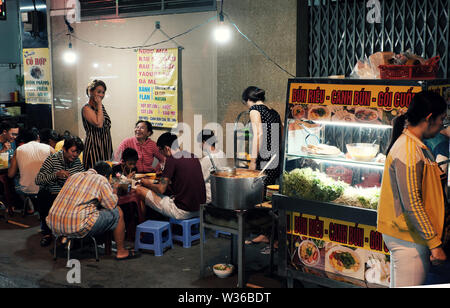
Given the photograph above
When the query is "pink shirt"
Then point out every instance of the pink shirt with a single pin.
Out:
(146, 151)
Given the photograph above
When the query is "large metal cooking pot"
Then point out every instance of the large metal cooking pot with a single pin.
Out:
(235, 192)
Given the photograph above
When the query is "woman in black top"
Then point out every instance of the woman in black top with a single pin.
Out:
(267, 128)
(266, 142)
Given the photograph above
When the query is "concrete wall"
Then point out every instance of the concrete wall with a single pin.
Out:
(118, 69)
(272, 26)
(213, 76)
(9, 51)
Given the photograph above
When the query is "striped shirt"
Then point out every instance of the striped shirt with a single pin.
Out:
(75, 210)
(147, 152)
(47, 179)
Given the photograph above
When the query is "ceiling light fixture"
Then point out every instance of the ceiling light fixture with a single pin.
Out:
(222, 33)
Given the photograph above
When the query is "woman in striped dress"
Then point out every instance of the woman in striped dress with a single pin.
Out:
(97, 124)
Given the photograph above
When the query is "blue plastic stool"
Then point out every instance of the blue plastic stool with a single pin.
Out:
(158, 238)
(218, 232)
(190, 230)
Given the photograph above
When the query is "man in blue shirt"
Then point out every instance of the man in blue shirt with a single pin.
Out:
(9, 132)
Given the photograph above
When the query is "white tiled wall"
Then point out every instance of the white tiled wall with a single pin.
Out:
(7, 82)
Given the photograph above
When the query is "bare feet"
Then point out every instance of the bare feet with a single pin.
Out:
(259, 239)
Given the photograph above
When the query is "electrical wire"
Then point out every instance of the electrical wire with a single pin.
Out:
(257, 47)
(149, 45)
(145, 45)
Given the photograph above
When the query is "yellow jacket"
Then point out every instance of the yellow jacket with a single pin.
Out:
(411, 206)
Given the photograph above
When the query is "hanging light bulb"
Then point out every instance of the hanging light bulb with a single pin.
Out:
(69, 56)
(222, 33)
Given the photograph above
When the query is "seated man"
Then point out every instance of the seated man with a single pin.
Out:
(181, 188)
(208, 141)
(26, 163)
(127, 166)
(59, 145)
(86, 206)
(49, 136)
(54, 172)
(8, 135)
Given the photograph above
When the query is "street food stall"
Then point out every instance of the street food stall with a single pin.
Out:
(337, 133)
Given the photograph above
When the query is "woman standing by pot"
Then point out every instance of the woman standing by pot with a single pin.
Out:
(266, 142)
(412, 205)
(97, 124)
(267, 129)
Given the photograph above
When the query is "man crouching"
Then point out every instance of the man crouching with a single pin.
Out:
(86, 206)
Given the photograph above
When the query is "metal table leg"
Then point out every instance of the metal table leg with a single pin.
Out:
(202, 242)
(241, 249)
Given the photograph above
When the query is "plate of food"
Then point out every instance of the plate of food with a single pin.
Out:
(366, 115)
(343, 260)
(319, 113)
(322, 150)
(298, 112)
(308, 253)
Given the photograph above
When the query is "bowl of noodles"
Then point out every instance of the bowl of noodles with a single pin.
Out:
(308, 253)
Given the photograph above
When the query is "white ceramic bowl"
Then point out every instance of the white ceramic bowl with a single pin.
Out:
(223, 273)
(363, 151)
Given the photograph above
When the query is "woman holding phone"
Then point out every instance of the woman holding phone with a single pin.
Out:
(97, 124)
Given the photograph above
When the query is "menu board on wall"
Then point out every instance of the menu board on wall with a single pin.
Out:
(157, 86)
(37, 76)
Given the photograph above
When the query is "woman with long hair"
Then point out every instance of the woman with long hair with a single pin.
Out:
(412, 207)
(96, 122)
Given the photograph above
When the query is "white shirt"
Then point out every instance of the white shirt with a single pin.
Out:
(30, 158)
(220, 161)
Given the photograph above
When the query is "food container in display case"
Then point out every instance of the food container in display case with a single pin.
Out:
(337, 134)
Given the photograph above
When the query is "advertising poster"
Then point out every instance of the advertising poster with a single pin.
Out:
(37, 76)
(338, 250)
(157, 86)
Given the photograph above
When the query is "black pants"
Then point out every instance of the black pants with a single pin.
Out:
(44, 202)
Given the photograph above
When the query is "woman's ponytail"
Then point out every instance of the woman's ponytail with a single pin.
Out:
(399, 124)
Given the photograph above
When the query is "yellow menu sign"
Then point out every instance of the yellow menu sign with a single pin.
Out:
(37, 76)
(157, 86)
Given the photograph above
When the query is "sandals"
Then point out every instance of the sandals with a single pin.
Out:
(46, 240)
(131, 255)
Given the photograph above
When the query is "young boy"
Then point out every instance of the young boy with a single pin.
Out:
(127, 166)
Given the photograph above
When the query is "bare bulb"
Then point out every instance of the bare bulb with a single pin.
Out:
(222, 33)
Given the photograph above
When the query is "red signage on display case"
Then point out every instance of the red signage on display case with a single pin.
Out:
(2, 9)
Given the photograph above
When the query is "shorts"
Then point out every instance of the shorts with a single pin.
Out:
(107, 221)
(166, 206)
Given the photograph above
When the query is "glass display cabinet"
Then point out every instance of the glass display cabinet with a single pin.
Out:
(337, 132)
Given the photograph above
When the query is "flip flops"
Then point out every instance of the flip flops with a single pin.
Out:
(131, 255)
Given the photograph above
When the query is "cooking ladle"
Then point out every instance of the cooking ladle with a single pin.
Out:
(267, 165)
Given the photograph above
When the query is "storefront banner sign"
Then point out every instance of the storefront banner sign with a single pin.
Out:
(332, 230)
(369, 104)
(37, 76)
(338, 250)
(157, 86)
